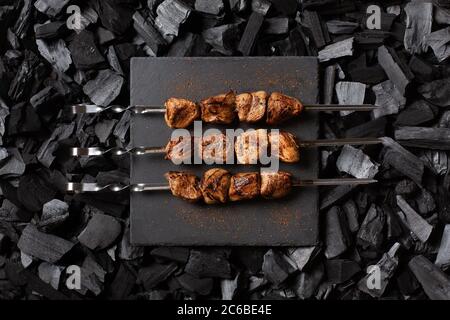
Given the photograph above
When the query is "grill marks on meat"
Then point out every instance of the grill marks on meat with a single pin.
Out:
(251, 107)
(215, 185)
(215, 148)
(179, 150)
(284, 145)
(181, 113)
(219, 109)
(251, 146)
(184, 185)
(244, 186)
(281, 108)
(275, 185)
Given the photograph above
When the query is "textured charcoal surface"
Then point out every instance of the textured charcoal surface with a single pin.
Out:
(401, 225)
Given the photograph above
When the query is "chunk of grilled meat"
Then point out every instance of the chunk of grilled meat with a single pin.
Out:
(275, 185)
(284, 145)
(181, 113)
(215, 185)
(179, 150)
(251, 107)
(184, 185)
(251, 146)
(244, 186)
(215, 148)
(281, 108)
(219, 109)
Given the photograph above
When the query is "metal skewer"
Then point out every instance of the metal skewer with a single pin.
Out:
(92, 108)
(95, 151)
(145, 187)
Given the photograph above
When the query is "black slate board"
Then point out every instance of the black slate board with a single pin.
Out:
(160, 219)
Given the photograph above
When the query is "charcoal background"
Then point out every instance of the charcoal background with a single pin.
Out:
(358, 225)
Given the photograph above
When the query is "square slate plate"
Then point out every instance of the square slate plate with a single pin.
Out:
(159, 218)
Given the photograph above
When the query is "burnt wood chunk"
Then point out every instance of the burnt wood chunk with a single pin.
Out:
(177, 254)
(354, 162)
(350, 93)
(307, 282)
(352, 213)
(148, 32)
(85, 53)
(436, 92)
(250, 33)
(50, 7)
(303, 256)
(319, 33)
(277, 25)
(435, 283)
(43, 246)
(209, 263)
(341, 270)
(213, 7)
(334, 195)
(388, 98)
(51, 30)
(419, 226)
(374, 128)
(443, 256)
(261, 6)
(223, 38)
(418, 26)
(337, 234)
(201, 286)
(439, 42)
(335, 50)
(418, 112)
(277, 267)
(100, 232)
(21, 84)
(104, 89)
(397, 72)
(171, 14)
(341, 27)
(370, 235)
(152, 275)
(423, 137)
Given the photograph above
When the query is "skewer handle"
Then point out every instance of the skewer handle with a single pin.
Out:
(87, 152)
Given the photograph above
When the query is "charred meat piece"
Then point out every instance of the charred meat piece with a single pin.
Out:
(179, 150)
(284, 145)
(251, 146)
(244, 186)
(275, 185)
(184, 185)
(215, 148)
(181, 113)
(251, 107)
(281, 108)
(215, 185)
(219, 109)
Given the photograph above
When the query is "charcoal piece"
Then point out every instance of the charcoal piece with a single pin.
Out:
(114, 60)
(371, 232)
(261, 6)
(13, 166)
(148, 32)
(213, 7)
(104, 36)
(334, 195)
(101, 231)
(337, 50)
(368, 75)
(341, 270)
(123, 282)
(388, 98)
(354, 162)
(250, 33)
(92, 267)
(439, 42)
(54, 213)
(425, 202)
(238, 5)
(350, 93)
(49, 30)
(417, 113)
(303, 256)
(50, 7)
(115, 16)
(397, 72)
(444, 121)
(171, 14)
(307, 282)
(407, 283)
(341, 27)
(39, 187)
(88, 16)
(251, 257)
(209, 263)
(105, 88)
(385, 268)
(46, 100)
(35, 284)
(43, 246)
(277, 25)
(436, 92)
(277, 267)
(418, 26)
(374, 128)
(403, 160)
(222, 38)
(23, 22)
(423, 71)
(371, 38)
(352, 213)
(10, 212)
(443, 256)
(127, 251)
(22, 82)
(328, 83)
(183, 45)
(104, 129)
(337, 237)
(441, 15)
(435, 283)
(394, 226)
(85, 53)
(177, 254)
(25, 259)
(201, 286)
(436, 161)
(418, 226)
(45, 153)
(154, 274)
(422, 137)
(314, 23)
(50, 273)
(406, 187)
(229, 287)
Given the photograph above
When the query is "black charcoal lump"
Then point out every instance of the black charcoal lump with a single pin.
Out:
(439, 42)
(105, 88)
(354, 162)
(418, 26)
(171, 14)
(54, 213)
(50, 7)
(100, 233)
(337, 50)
